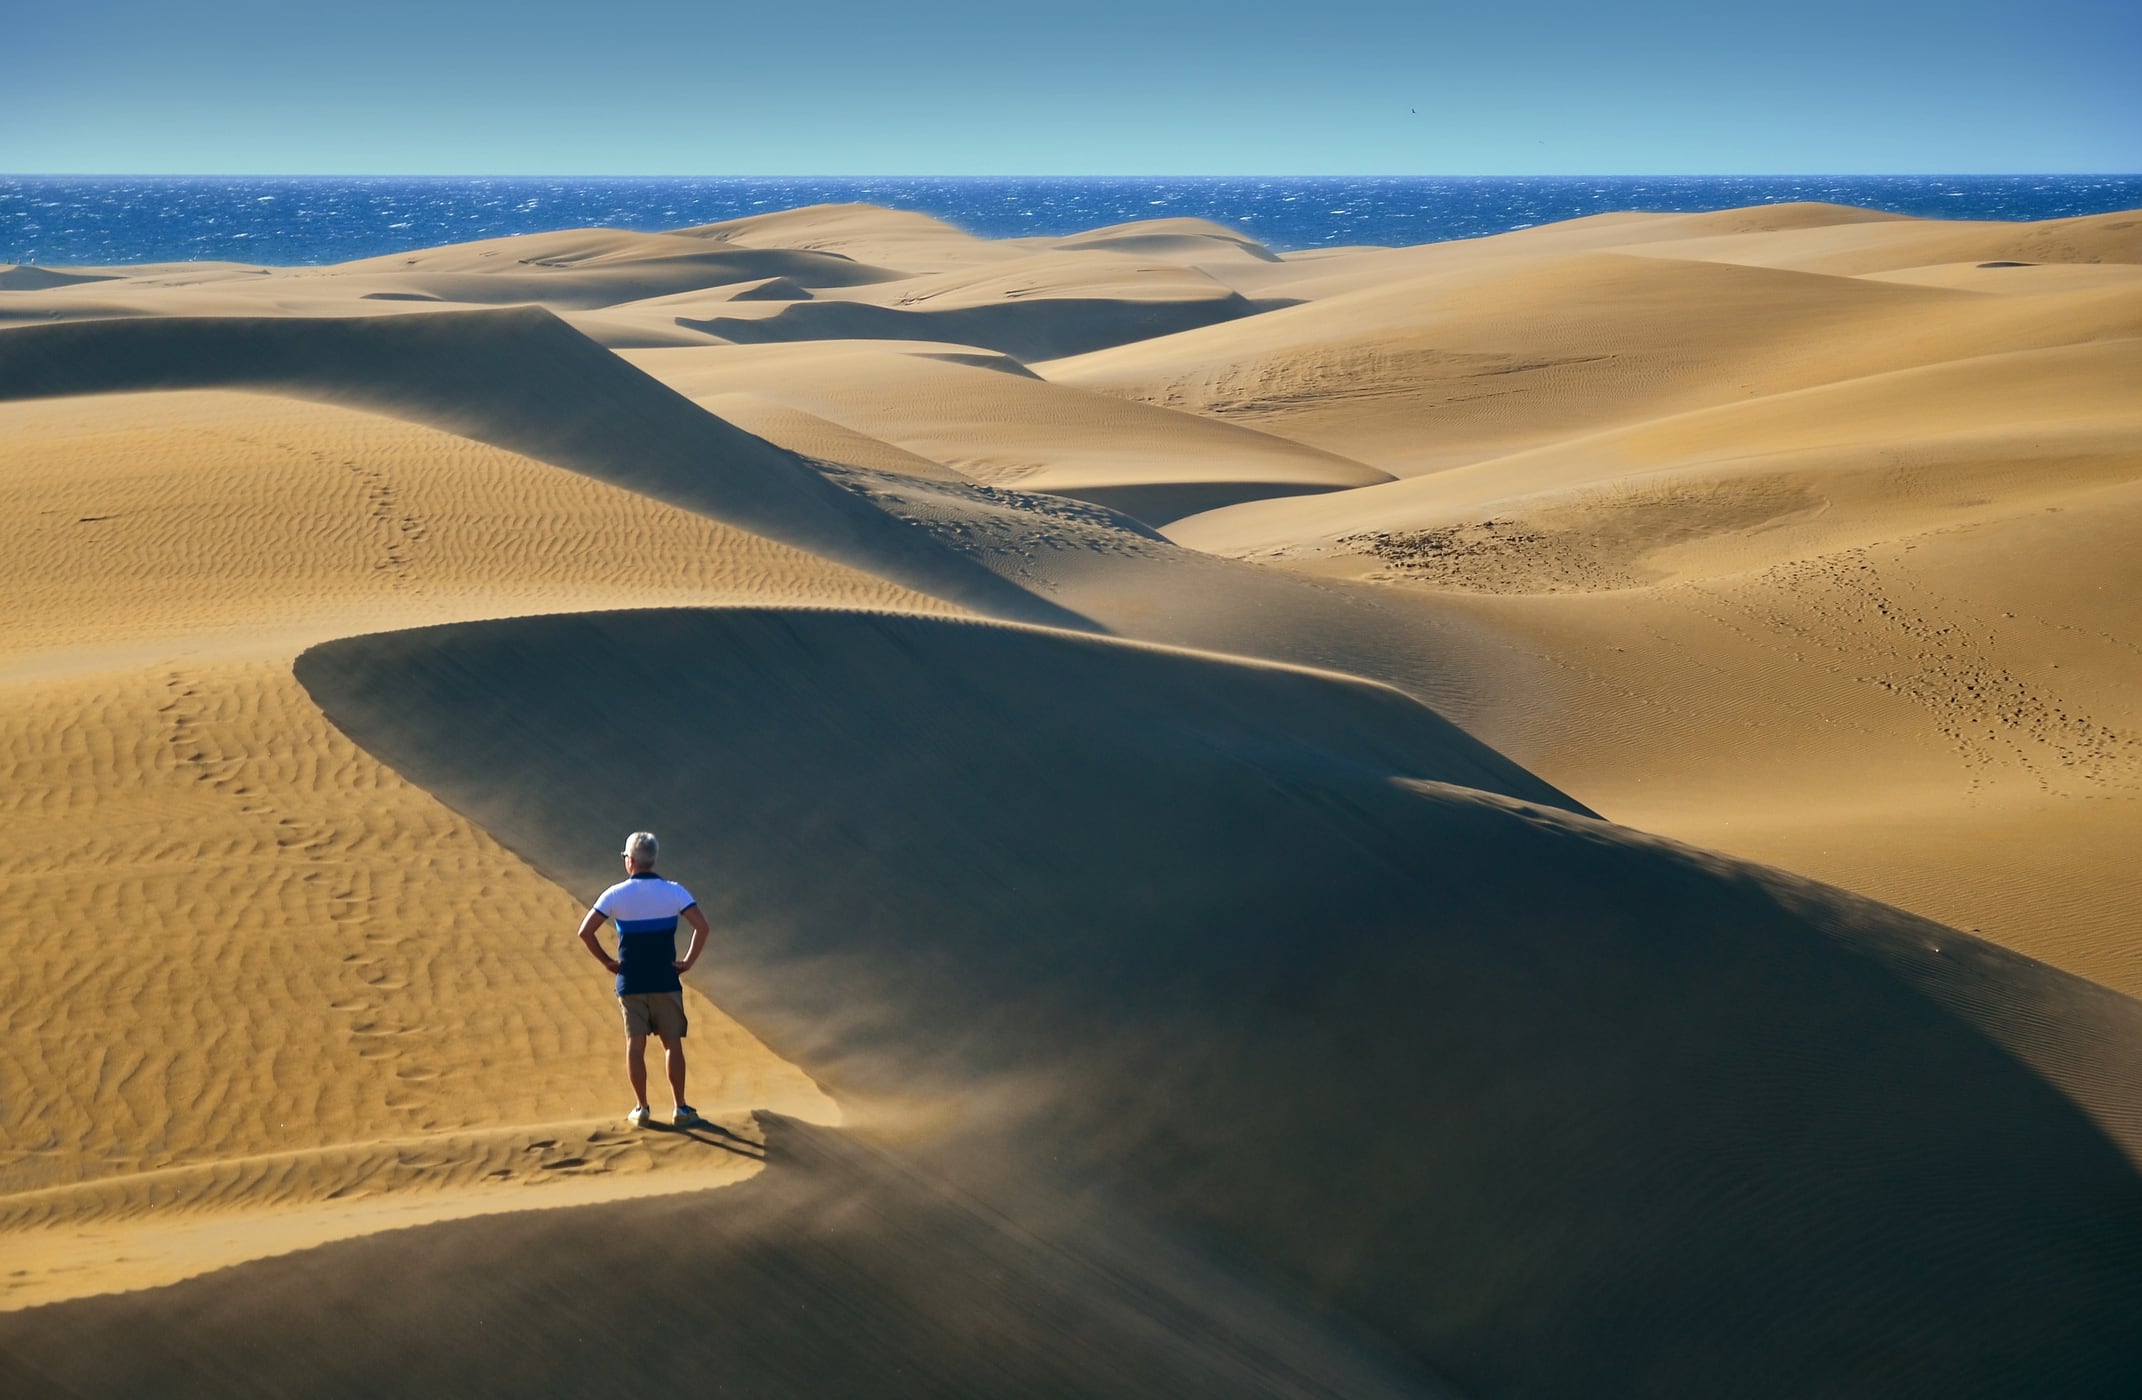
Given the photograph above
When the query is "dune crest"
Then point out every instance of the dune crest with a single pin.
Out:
(563, 400)
(1134, 922)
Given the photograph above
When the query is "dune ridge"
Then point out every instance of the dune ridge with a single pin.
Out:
(1002, 429)
(565, 401)
(1812, 609)
(317, 958)
(1073, 990)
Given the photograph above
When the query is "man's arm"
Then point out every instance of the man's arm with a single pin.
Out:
(588, 926)
(698, 921)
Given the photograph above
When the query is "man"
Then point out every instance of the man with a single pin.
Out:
(647, 908)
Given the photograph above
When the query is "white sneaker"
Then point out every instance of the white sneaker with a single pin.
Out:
(638, 1117)
(687, 1116)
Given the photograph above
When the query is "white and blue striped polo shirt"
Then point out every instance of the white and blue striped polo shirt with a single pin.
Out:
(646, 909)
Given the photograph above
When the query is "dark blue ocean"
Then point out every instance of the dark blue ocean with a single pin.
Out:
(324, 219)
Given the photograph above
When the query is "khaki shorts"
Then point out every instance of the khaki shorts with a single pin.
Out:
(654, 1013)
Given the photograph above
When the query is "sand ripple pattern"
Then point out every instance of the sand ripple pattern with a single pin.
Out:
(244, 954)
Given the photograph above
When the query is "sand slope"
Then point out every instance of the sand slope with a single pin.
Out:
(1015, 430)
(1451, 366)
(1117, 975)
(1048, 304)
(1730, 489)
(319, 1003)
(1865, 627)
(518, 379)
(841, 1272)
(898, 238)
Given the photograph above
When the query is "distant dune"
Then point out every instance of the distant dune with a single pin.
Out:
(1546, 815)
(519, 379)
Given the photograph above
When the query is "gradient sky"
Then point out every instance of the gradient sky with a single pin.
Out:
(841, 87)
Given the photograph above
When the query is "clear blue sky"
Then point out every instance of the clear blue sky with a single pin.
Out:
(841, 87)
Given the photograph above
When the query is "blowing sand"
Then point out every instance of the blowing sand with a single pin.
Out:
(1537, 816)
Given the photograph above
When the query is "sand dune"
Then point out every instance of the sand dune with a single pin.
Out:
(598, 267)
(771, 289)
(1295, 1083)
(1063, 297)
(574, 270)
(1124, 957)
(258, 524)
(1950, 722)
(1016, 430)
(1741, 487)
(1029, 330)
(1043, 306)
(1824, 626)
(42, 279)
(864, 232)
(1194, 242)
(523, 381)
(1858, 248)
(338, 1006)
(821, 439)
(1318, 273)
(1451, 367)
(789, 1290)
(1202, 1012)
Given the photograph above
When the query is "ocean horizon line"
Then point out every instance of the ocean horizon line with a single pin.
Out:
(314, 219)
(1046, 175)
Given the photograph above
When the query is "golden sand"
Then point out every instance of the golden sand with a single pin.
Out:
(1167, 733)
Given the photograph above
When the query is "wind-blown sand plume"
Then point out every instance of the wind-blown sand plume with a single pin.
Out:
(793, 1290)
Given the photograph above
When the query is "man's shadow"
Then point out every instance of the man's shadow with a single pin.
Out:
(715, 1135)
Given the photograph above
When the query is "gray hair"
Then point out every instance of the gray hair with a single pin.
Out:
(642, 847)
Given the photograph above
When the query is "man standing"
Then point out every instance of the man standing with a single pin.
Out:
(647, 908)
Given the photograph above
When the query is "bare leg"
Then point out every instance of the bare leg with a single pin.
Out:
(636, 1066)
(673, 1056)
